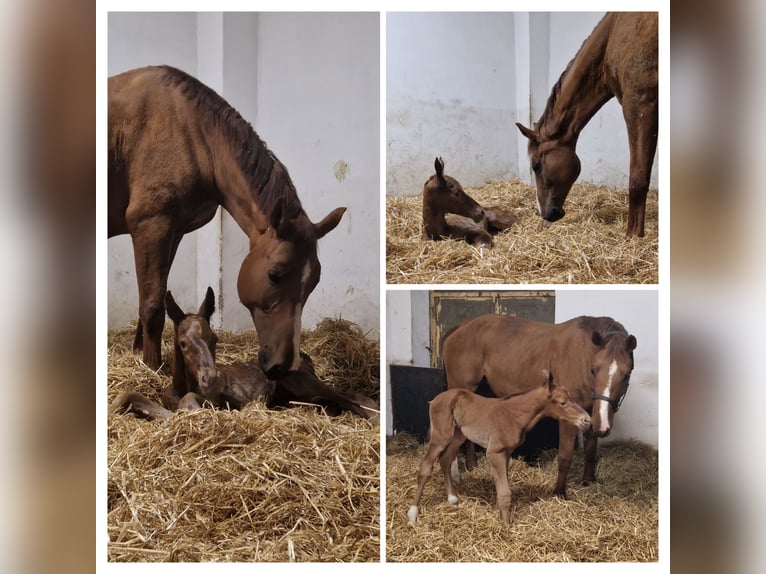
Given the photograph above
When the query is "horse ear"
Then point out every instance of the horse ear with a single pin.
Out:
(526, 132)
(175, 313)
(597, 340)
(439, 167)
(630, 344)
(277, 218)
(207, 308)
(330, 222)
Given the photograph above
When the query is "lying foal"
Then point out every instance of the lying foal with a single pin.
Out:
(499, 425)
(448, 211)
(197, 379)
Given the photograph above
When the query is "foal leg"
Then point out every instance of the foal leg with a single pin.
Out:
(498, 461)
(498, 221)
(437, 445)
(446, 460)
(154, 246)
(641, 120)
(139, 405)
(567, 435)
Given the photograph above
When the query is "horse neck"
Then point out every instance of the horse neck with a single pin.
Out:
(527, 407)
(582, 90)
(433, 217)
(250, 203)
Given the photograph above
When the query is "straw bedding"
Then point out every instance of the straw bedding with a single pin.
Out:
(587, 246)
(614, 520)
(250, 485)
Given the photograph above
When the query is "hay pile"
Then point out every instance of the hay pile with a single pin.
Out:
(587, 246)
(250, 485)
(614, 520)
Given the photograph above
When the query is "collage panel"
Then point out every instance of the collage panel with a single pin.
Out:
(541, 408)
(247, 335)
(520, 148)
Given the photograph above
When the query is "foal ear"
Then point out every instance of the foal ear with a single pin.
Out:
(330, 222)
(207, 308)
(630, 344)
(528, 133)
(175, 313)
(439, 167)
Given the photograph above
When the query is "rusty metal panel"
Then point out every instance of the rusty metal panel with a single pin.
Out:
(450, 308)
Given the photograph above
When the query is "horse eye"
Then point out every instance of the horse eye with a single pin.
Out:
(182, 344)
(537, 167)
(274, 277)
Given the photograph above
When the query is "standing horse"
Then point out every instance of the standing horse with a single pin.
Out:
(177, 151)
(619, 59)
(592, 357)
(197, 379)
(499, 425)
(448, 211)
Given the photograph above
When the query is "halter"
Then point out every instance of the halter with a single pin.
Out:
(615, 403)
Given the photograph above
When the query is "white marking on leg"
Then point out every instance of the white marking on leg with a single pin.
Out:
(297, 338)
(412, 514)
(604, 408)
(452, 499)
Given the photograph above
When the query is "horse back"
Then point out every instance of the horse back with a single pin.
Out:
(512, 352)
(160, 159)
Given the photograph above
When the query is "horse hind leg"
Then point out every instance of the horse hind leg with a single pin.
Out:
(447, 460)
(435, 448)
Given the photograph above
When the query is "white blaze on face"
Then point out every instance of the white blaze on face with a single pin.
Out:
(604, 408)
(539, 209)
(297, 320)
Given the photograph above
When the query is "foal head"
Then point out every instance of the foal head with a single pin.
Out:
(556, 167)
(611, 369)
(560, 406)
(444, 194)
(194, 342)
(276, 278)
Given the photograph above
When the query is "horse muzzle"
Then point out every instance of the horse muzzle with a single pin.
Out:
(553, 214)
(274, 367)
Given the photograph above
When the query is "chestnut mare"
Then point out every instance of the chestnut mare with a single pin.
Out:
(197, 379)
(448, 211)
(499, 425)
(619, 59)
(592, 357)
(177, 151)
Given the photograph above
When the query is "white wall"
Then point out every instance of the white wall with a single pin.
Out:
(638, 311)
(457, 83)
(309, 84)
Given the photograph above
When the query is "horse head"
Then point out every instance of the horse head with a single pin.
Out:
(194, 342)
(444, 194)
(276, 278)
(611, 369)
(556, 167)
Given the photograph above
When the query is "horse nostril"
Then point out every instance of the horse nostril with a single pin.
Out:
(276, 371)
(554, 214)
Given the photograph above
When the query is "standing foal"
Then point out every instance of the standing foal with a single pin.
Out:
(499, 425)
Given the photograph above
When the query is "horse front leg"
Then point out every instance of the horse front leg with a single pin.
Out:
(567, 435)
(154, 246)
(641, 120)
(498, 461)
(590, 455)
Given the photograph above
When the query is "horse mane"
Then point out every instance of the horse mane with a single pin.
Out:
(268, 177)
(556, 90)
(605, 326)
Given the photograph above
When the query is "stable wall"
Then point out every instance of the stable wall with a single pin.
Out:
(309, 85)
(458, 82)
(407, 327)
